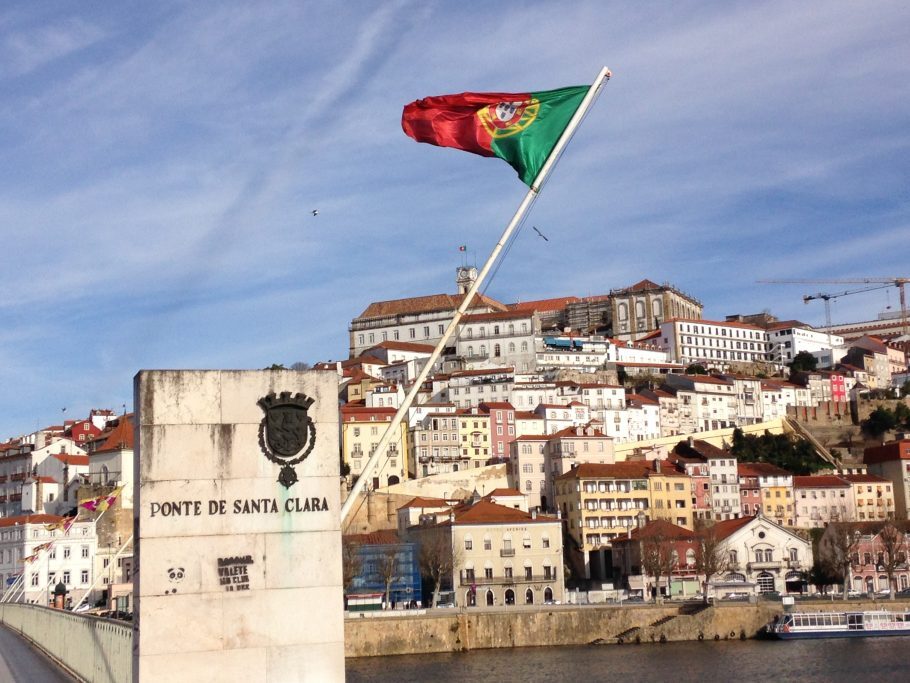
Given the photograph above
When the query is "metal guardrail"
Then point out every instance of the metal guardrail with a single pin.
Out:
(93, 649)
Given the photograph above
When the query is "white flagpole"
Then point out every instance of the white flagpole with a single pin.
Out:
(100, 574)
(523, 208)
(12, 589)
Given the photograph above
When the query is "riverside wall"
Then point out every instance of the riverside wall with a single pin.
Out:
(564, 625)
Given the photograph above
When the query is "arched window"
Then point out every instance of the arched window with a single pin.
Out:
(483, 349)
(497, 351)
(690, 557)
(511, 347)
(639, 309)
(489, 597)
(765, 582)
(548, 594)
(623, 311)
(470, 598)
(529, 597)
(524, 346)
(470, 350)
(510, 597)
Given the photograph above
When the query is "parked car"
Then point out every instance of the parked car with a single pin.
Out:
(736, 596)
(905, 593)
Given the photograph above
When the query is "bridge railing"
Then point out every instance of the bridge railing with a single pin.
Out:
(96, 650)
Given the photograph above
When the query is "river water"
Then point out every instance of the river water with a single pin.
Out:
(823, 661)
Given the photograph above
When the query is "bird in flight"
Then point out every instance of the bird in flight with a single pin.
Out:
(540, 233)
(315, 212)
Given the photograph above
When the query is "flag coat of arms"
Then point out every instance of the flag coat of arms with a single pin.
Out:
(520, 128)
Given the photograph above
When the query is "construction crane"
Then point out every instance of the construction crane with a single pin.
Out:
(882, 282)
(826, 297)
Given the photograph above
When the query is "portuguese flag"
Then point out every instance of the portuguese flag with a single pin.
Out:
(519, 128)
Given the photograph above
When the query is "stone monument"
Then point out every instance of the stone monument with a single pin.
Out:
(237, 527)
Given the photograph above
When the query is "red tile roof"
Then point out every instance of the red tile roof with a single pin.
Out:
(820, 481)
(761, 469)
(385, 537)
(426, 304)
(485, 512)
(728, 527)
(401, 346)
(29, 519)
(120, 436)
(67, 459)
(865, 479)
(556, 304)
(422, 502)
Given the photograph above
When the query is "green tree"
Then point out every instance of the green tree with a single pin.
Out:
(879, 421)
(785, 451)
(696, 369)
(804, 361)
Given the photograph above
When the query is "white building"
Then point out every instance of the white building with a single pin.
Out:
(712, 343)
(68, 560)
(498, 339)
(789, 338)
(470, 388)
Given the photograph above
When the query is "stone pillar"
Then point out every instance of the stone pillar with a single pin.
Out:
(237, 527)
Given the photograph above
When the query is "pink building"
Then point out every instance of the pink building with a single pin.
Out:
(502, 428)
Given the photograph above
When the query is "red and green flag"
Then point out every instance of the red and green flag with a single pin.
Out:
(519, 128)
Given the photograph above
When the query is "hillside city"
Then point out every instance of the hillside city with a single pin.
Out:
(577, 449)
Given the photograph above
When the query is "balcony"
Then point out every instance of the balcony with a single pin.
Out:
(15, 497)
(17, 477)
(507, 552)
(3, 478)
(507, 580)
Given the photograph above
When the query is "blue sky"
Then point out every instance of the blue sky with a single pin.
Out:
(159, 163)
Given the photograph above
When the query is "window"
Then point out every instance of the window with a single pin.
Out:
(508, 572)
(526, 542)
(487, 544)
(468, 543)
(66, 578)
(66, 552)
(546, 542)
(34, 579)
(83, 577)
(488, 572)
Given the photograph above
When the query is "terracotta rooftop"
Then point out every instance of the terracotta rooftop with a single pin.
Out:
(503, 492)
(29, 519)
(727, 527)
(485, 512)
(820, 481)
(865, 479)
(67, 459)
(544, 304)
(426, 304)
(385, 537)
(402, 346)
(119, 437)
(660, 528)
(422, 502)
(761, 469)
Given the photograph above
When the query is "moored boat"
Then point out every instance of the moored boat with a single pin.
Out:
(840, 624)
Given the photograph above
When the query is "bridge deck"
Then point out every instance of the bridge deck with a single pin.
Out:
(21, 663)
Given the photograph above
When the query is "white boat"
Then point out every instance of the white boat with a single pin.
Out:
(840, 624)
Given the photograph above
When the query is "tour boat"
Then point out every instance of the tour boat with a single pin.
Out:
(840, 624)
